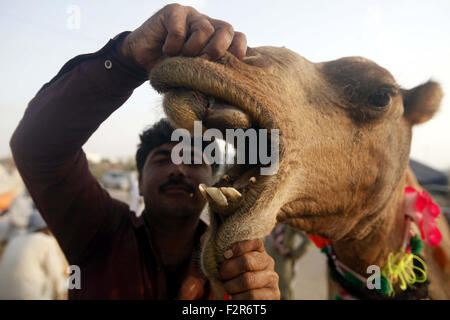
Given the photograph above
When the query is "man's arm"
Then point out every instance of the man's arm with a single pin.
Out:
(47, 144)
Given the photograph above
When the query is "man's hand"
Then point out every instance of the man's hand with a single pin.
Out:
(176, 30)
(248, 272)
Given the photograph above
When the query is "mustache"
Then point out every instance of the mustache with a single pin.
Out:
(176, 181)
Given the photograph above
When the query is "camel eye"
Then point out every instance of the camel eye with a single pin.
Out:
(380, 99)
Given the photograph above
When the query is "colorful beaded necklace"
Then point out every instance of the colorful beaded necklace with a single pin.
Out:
(405, 270)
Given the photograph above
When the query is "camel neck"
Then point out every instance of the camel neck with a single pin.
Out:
(385, 236)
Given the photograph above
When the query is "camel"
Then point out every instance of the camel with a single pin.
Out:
(345, 129)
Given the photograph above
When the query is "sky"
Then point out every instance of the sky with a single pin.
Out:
(409, 38)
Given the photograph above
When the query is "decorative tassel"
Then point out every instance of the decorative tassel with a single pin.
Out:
(385, 286)
(400, 269)
(416, 245)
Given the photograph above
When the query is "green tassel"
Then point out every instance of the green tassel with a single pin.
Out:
(416, 245)
(385, 286)
(337, 297)
(352, 279)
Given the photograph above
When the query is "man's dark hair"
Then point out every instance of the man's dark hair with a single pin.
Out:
(158, 134)
(153, 137)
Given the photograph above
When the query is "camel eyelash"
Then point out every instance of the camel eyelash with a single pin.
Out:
(392, 90)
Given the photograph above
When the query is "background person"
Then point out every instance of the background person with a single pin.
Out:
(33, 266)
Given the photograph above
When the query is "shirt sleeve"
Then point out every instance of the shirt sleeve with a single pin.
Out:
(46, 146)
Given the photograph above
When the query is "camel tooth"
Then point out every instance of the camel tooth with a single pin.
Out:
(217, 196)
(202, 188)
(252, 180)
(231, 193)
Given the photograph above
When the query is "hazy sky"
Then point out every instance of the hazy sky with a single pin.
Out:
(409, 38)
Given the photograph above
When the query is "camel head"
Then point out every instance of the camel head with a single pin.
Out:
(344, 136)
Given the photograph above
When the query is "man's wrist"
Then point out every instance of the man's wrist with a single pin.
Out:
(125, 49)
(111, 72)
(124, 56)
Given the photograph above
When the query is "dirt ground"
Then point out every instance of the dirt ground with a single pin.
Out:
(310, 282)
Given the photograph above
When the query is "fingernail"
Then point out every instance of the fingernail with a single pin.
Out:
(228, 254)
(205, 56)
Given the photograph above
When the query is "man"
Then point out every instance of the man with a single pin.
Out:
(15, 221)
(120, 256)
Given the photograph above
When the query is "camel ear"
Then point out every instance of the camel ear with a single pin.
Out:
(422, 102)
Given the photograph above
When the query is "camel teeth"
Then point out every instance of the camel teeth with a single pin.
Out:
(202, 188)
(217, 196)
(252, 180)
(231, 193)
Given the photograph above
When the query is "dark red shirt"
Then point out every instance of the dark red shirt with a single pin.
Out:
(100, 234)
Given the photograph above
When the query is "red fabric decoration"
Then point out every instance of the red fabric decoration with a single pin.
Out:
(420, 207)
(319, 241)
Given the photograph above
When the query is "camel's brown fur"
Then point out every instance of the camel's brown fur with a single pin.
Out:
(343, 162)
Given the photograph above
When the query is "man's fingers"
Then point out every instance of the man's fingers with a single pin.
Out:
(174, 20)
(220, 41)
(258, 294)
(242, 247)
(250, 262)
(175, 30)
(239, 45)
(201, 31)
(251, 280)
(207, 37)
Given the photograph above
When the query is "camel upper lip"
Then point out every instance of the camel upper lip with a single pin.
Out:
(212, 79)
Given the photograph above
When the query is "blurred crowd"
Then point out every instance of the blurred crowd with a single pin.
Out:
(32, 265)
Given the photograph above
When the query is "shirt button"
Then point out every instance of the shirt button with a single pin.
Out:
(108, 64)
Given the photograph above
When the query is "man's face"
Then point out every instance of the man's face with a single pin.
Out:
(171, 189)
